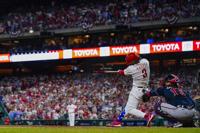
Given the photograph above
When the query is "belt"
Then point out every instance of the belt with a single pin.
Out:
(141, 87)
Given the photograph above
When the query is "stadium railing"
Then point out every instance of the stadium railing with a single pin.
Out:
(99, 122)
(3, 112)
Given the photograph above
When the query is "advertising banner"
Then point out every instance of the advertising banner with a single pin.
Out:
(4, 58)
(166, 47)
(86, 53)
(196, 45)
(124, 50)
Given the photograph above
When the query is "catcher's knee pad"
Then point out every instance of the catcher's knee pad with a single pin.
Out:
(162, 113)
(159, 111)
(157, 108)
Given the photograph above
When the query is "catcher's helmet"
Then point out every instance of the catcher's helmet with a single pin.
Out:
(172, 81)
(172, 78)
(131, 57)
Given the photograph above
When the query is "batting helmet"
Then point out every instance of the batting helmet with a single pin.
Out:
(131, 57)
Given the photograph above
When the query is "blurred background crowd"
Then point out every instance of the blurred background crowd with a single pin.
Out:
(98, 96)
(47, 25)
(64, 14)
(47, 18)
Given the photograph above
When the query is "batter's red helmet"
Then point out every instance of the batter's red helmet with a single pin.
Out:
(131, 57)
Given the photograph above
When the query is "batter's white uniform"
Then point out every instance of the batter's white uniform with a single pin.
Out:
(71, 113)
(140, 73)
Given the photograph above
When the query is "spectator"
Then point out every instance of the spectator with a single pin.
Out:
(86, 15)
(97, 96)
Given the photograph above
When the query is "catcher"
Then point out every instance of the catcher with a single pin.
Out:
(179, 106)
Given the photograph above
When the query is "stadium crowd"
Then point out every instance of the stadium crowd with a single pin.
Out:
(62, 14)
(97, 96)
(129, 38)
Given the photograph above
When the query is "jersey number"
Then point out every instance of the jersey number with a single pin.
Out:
(144, 73)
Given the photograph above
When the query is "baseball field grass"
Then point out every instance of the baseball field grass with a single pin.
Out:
(61, 129)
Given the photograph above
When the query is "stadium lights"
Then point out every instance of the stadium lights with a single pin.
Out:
(162, 30)
(112, 34)
(190, 27)
(16, 41)
(195, 28)
(31, 31)
(87, 36)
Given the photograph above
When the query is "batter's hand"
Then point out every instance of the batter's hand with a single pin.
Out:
(121, 72)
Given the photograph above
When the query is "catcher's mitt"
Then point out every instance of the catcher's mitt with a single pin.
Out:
(145, 98)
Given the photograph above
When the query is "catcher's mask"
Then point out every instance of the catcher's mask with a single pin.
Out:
(172, 81)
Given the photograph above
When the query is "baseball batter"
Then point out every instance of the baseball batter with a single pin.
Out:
(140, 71)
(71, 108)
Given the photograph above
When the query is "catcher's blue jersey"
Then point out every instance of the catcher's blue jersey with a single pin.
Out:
(174, 96)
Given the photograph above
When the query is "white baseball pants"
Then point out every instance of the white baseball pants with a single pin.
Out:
(134, 98)
(71, 119)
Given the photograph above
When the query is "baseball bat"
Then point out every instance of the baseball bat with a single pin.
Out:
(106, 71)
